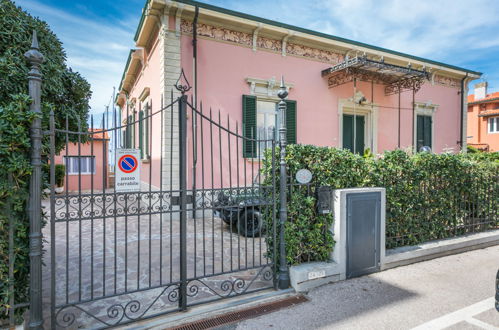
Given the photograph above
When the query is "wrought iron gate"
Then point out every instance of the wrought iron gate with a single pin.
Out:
(194, 232)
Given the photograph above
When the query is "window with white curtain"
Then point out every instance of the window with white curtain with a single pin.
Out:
(494, 125)
(266, 123)
(80, 164)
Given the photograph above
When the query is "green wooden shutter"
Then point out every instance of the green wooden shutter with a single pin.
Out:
(348, 132)
(427, 131)
(359, 138)
(147, 123)
(129, 132)
(291, 121)
(134, 130)
(423, 133)
(249, 126)
(141, 134)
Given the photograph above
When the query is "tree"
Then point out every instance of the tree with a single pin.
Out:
(64, 91)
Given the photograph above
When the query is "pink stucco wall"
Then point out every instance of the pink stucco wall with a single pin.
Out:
(222, 72)
(223, 68)
(85, 182)
(150, 78)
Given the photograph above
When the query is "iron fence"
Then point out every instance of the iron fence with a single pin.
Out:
(435, 206)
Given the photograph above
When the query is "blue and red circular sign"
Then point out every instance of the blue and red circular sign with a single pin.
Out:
(128, 163)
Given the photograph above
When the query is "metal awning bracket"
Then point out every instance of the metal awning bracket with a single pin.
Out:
(395, 78)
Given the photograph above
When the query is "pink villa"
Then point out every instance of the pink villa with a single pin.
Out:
(342, 93)
(86, 165)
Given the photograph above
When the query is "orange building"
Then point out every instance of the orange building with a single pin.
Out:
(483, 119)
(86, 164)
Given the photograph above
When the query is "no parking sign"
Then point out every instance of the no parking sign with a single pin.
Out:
(127, 170)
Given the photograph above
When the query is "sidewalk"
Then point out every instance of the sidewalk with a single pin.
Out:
(425, 294)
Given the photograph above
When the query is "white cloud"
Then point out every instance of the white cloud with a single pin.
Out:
(425, 28)
(96, 48)
(457, 32)
(462, 33)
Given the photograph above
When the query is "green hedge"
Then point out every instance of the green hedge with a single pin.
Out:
(15, 171)
(429, 196)
(64, 91)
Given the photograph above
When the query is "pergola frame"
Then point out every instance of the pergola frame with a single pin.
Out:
(395, 78)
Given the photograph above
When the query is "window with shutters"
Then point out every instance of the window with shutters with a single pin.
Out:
(423, 131)
(493, 125)
(129, 133)
(261, 122)
(144, 123)
(423, 125)
(267, 124)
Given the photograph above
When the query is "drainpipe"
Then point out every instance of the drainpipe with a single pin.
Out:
(414, 143)
(354, 116)
(195, 52)
(195, 99)
(461, 126)
(398, 143)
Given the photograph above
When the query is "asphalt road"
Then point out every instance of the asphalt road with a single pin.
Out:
(451, 292)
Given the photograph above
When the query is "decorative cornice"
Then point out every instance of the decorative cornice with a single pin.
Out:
(218, 33)
(285, 42)
(178, 19)
(255, 36)
(446, 81)
(246, 39)
(144, 94)
(265, 87)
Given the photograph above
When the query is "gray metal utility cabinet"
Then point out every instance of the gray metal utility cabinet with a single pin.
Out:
(359, 230)
(359, 233)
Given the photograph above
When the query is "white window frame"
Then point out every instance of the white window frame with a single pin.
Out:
(424, 109)
(144, 99)
(71, 171)
(267, 113)
(266, 90)
(146, 110)
(496, 126)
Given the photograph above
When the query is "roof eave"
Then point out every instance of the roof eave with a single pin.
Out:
(463, 71)
(495, 99)
(324, 35)
(127, 65)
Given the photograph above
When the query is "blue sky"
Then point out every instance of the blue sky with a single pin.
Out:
(97, 34)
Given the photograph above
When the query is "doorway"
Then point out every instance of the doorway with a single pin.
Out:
(424, 132)
(354, 133)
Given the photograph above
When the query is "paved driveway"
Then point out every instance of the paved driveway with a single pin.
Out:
(127, 267)
(453, 292)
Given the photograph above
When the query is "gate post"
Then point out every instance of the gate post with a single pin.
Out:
(283, 212)
(35, 58)
(182, 108)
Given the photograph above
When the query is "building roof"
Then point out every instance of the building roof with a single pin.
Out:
(480, 146)
(302, 30)
(99, 134)
(488, 113)
(489, 98)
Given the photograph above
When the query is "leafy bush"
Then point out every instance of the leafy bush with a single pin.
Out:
(15, 171)
(429, 196)
(60, 173)
(64, 91)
